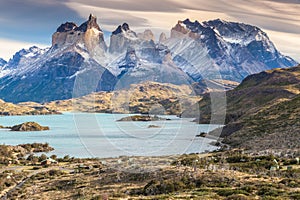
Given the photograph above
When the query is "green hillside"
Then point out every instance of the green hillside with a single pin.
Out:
(262, 112)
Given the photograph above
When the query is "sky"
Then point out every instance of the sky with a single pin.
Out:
(24, 23)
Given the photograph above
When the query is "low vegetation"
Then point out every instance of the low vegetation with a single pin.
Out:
(228, 175)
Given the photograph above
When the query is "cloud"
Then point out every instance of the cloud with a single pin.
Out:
(267, 14)
(286, 1)
(32, 20)
(133, 5)
(287, 43)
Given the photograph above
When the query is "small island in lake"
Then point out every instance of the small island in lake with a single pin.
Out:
(153, 126)
(202, 134)
(29, 126)
(142, 118)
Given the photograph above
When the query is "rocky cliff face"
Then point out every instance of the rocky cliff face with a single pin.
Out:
(147, 62)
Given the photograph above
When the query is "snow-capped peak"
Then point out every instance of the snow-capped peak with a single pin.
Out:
(233, 49)
(25, 56)
(125, 31)
(236, 33)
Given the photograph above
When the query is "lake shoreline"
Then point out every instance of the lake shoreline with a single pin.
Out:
(87, 135)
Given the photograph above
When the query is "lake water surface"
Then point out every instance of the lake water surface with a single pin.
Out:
(100, 135)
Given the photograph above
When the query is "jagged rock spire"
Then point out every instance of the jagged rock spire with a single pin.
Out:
(91, 23)
(89, 34)
(162, 37)
(121, 28)
(122, 38)
(68, 26)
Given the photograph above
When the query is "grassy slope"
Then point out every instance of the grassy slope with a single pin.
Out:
(263, 112)
(140, 98)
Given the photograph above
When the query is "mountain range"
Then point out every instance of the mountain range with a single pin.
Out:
(80, 62)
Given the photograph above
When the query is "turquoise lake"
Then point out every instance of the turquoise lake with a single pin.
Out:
(100, 135)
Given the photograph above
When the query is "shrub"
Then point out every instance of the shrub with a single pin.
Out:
(229, 192)
(36, 168)
(163, 187)
(294, 183)
(294, 195)
(43, 157)
(237, 197)
(268, 191)
(238, 159)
